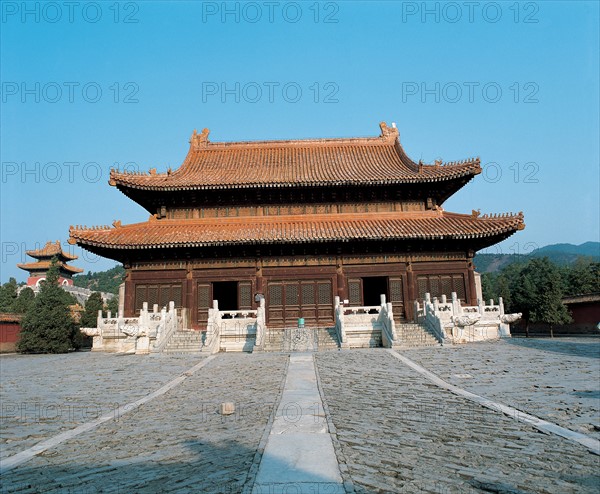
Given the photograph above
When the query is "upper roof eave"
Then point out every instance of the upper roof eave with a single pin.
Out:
(211, 166)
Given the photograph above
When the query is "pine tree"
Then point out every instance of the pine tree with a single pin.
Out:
(113, 305)
(8, 296)
(548, 307)
(48, 326)
(24, 301)
(89, 319)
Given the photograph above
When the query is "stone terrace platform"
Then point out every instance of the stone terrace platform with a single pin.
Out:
(127, 424)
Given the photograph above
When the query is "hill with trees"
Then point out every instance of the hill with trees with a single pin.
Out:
(101, 281)
(561, 254)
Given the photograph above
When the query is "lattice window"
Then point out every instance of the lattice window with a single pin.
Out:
(164, 298)
(324, 293)
(396, 293)
(140, 296)
(354, 292)
(434, 286)
(308, 294)
(176, 295)
(245, 295)
(447, 286)
(459, 286)
(204, 301)
(275, 295)
(291, 294)
(422, 285)
(152, 296)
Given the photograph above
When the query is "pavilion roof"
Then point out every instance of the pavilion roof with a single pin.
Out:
(296, 229)
(44, 266)
(293, 163)
(50, 250)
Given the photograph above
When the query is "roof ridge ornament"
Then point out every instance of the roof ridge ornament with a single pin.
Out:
(389, 133)
(198, 141)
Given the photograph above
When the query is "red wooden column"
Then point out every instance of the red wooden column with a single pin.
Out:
(342, 291)
(129, 295)
(189, 298)
(471, 290)
(412, 292)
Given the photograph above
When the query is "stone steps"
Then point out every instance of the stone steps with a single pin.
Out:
(413, 335)
(184, 342)
(364, 337)
(326, 340)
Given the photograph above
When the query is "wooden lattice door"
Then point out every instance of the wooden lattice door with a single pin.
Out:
(396, 297)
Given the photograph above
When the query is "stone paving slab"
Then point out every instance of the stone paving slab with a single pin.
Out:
(42, 395)
(176, 443)
(555, 379)
(299, 454)
(397, 432)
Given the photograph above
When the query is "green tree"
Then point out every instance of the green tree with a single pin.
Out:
(582, 277)
(48, 326)
(522, 290)
(113, 306)
(24, 301)
(488, 286)
(8, 295)
(89, 319)
(538, 292)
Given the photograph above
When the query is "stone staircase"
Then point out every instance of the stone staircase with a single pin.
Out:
(322, 339)
(237, 343)
(273, 340)
(327, 339)
(364, 336)
(413, 335)
(184, 341)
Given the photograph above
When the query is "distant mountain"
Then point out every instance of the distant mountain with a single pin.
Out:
(558, 253)
(102, 281)
(590, 249)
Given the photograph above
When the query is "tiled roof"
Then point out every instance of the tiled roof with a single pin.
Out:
(45, 265)
(10, 317)
(50, 250)
(293, 163)
(264, 230)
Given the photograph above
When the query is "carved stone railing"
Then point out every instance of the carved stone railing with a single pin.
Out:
(168, 324)
(261, 325)
(453, 323)
(212, 342)
(339, 323)
(360, 319)
(149, 332)
(233, 330)
(434, 316)
(388, 326)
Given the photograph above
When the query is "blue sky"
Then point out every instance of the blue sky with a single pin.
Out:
(97, 85)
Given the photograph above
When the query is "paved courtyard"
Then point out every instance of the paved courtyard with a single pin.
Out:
(391, 428)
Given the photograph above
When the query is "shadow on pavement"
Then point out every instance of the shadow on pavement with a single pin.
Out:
(207, 471)
(588, 347)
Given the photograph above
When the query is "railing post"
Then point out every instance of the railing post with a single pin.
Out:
(456, 309)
